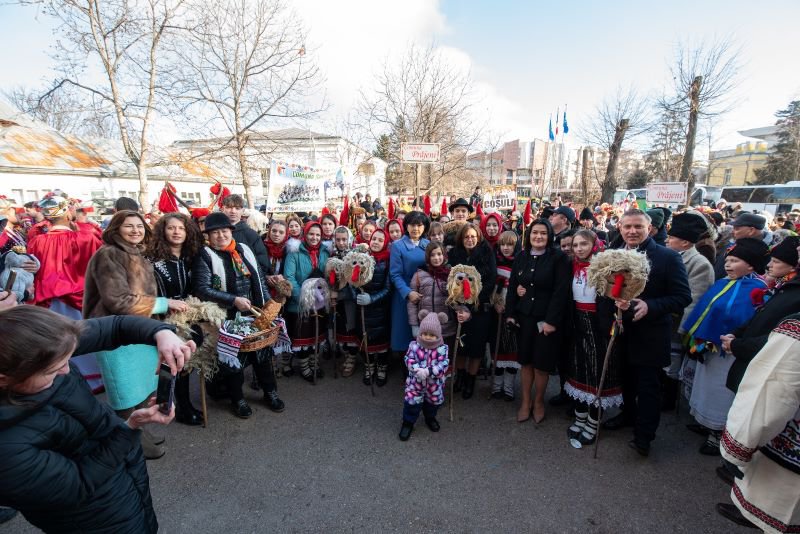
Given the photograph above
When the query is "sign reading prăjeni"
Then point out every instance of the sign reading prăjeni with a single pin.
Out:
(419, 152)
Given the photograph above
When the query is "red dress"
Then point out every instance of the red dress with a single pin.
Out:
(64, 255)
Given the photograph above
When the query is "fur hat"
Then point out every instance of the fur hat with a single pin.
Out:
(786, 250)
(753, 251)
(688, 226)
(587, 215)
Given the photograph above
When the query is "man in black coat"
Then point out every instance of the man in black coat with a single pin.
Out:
(647, 327)
(233, 206)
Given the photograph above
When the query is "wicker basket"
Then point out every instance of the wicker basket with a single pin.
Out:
(261, 339)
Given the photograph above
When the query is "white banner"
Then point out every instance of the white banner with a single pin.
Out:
(419, 152)
(667, 192)
(501, 200)
(296, 187)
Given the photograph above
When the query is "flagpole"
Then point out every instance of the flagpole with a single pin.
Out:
(563, 147)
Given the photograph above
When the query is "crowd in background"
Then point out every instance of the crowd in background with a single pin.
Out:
(716, 325)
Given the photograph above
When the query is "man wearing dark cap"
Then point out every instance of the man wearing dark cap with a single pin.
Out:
(561, 220)
(460, 209)
(745, 225)
(683, 235)
(588, 221)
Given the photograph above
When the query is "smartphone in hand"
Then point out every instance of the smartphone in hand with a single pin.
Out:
(165, 393)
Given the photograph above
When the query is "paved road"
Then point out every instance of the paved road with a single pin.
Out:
(332, 462)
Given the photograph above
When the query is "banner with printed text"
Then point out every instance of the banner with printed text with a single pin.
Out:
(296, 187)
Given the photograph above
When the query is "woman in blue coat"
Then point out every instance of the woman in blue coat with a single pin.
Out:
(408, 255)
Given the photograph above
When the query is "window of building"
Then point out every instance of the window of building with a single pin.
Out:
(18, 195)
(129, 194)
(726, 179)
(30, 195)
(194, 197)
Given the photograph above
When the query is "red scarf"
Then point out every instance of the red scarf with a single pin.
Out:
(492, 240)
(277, 250)
(383, 254)
(581, 265)
(439, 273)
(359, 238)
(389, 237)
(313, 252)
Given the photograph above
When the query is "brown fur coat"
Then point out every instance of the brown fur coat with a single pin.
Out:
(119, 281)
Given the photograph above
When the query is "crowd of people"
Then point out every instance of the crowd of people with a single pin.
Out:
(717, 324)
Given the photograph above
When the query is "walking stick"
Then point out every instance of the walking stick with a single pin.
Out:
(335, 346)
(365, 343)
(453, 376)
(316, 346)
(493, 368)
(616, 329)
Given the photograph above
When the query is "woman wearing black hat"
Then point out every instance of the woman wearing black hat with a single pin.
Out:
(724, 307)
(227, 273)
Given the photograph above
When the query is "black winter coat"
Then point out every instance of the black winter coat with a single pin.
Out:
(482, 258)
(244, 234)
(546, 279)
(204, 282)
(751, 337)
(376, 313)
(647, 341)
(67, 462)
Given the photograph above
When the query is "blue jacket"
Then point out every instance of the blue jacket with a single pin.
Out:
(297, 269)
(404, 262)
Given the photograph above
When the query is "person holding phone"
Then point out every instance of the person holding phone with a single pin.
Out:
(67, 462)
(536, 304)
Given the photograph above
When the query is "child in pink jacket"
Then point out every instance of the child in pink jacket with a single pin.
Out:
(427, 362)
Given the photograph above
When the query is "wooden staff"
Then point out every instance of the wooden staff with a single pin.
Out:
(12, 277)
(615, 331)
(493, 368)
(316, 347)
(455, 371)
(365, 343)
(335, 346)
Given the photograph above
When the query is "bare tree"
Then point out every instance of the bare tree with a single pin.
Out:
(122, 40)
(66, 111)
(704, 76)
(621, 116)
(244, 64)
(422, 99)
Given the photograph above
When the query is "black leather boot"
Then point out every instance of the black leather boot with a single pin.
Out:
(459, 380)
(469, 387)
(184, 411)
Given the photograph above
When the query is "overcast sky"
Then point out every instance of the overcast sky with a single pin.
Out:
(527, 58)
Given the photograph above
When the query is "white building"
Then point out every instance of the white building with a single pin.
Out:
(35, 159)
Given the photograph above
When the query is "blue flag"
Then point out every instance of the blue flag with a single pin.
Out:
(566, 128)
(552, 137)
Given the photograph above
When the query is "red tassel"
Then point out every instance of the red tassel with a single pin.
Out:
(467, 289)
(479, 211)
(325, 211)
(390, 211)
(427, 204)
(344, 216)
(527, 218)
(225, 193)
(332, 278)
(356, 273)
(616, 289)
(216, 188)
(444, 207)
(166, 201)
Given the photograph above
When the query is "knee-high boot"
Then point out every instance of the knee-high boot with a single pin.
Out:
(184, 411)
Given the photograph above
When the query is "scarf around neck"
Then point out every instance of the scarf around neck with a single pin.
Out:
(383, 254)
(236, 258)
(276, 250)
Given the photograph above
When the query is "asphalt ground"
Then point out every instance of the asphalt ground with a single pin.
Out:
(332, 462)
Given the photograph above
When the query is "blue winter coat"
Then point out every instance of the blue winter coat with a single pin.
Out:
(405, 260)
(297, 270)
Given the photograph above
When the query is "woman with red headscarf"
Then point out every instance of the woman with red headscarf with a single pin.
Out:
(307, 262)
(491, 228)
(374, 297)
(394, 230)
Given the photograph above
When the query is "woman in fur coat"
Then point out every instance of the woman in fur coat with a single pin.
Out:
(121, 281)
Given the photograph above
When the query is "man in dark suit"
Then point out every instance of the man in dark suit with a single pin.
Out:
(647, 325)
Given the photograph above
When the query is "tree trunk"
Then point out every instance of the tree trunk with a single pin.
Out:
(585, 176)
(144, 199)
(610, 182)
(691, 131)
